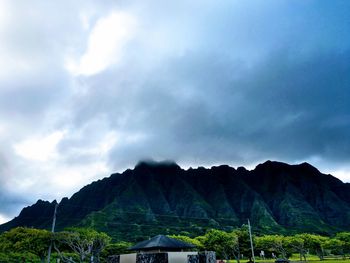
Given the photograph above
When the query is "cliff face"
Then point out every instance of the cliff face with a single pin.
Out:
(162, 198)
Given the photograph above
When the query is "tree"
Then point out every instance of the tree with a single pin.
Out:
(274, 244)
(243, 241)
(334, 246)
(345, 237)
(13, 257)
(297, 244)
(225, 244)
(26, 240)
(194, 241)
(116, 249)
(85, 243)
(314, 243)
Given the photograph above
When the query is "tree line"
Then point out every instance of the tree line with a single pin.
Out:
(236, 244)
(23, 244)
(87, 245)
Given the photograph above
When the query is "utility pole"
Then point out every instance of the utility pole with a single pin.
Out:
(53, 231)
(251, 240)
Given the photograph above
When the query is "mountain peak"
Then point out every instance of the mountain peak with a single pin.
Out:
(156, 164)
(271, 165)
(308, 167)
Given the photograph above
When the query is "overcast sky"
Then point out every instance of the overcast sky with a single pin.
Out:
(88, 88)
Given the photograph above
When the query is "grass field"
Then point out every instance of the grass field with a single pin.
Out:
(309, 258)
(297, 260)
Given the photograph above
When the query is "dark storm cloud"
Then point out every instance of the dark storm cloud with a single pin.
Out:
(280, 109)
(204, 109)
(302, 105)
(240, 83)
(9, 202)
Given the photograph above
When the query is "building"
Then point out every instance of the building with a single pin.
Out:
(162, 249)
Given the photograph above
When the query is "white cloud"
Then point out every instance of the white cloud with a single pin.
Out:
(4, 14)
(39, 149)
(2, 128)
(70, 178)
(54, 170)
(105, 44)
(84, 18)
(3, 219)
(55, 179)
(342, 174)
(99, 148)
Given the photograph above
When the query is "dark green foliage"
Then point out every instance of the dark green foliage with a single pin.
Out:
(162, 198)
(276, 244)
(224, 244)
(13, 257)
(198, 242)
(243, 240)
(345, 238)
(80, 244)
(31, 245)
(26, 240)
(116, 249)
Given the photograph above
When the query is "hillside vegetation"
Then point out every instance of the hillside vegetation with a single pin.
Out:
(162, 198)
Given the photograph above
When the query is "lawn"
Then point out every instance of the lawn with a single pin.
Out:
(309, 258)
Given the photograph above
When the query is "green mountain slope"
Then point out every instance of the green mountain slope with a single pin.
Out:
(156, 198)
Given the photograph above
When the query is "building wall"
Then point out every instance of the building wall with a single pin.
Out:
(128, 258)
(165, 257)
(161, 257)
(179, 257)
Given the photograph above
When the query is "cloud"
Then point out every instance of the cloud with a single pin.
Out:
(105, 44)
(4, 219)
(41, 149)
(9, 202)
(88, 88)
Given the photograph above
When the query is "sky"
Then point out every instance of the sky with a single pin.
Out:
(88, 88)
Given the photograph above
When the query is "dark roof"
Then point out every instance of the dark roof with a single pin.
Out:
(161, 242)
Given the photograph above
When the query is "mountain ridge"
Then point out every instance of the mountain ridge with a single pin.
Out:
(161, 197)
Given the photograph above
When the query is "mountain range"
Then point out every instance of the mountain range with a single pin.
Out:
(162, 198)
